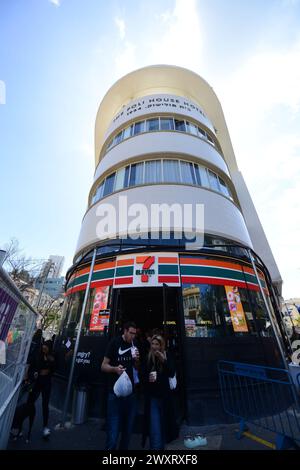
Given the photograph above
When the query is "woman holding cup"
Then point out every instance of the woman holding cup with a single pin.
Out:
(159, 417)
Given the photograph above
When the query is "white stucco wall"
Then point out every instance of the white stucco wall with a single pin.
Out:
(255, 229)
(159, 144)
(221, 216)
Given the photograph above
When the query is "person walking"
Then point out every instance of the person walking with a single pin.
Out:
(159, 416)
(121, 354)
(42, 367)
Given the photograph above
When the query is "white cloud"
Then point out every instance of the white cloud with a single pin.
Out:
(2, 92)
(55, 2)
(261, 102)
(181, 40)
(125, 61)
(120, 23)
(176, 38)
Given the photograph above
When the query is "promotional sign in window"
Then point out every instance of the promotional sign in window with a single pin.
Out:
(236, 309)
(98, 321)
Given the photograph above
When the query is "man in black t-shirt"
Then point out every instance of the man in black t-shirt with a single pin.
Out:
(121, 354)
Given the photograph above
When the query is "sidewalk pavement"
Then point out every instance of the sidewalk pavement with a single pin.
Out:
(91, 436)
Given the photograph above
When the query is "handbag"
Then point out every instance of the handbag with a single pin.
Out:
(173, 382)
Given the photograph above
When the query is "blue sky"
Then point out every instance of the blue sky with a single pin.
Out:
(59, 57)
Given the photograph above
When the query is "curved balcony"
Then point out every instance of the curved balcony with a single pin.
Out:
(221, 216)
(161, 143)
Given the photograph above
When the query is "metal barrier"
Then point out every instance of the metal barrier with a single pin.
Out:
(263, 396)
(17, 323)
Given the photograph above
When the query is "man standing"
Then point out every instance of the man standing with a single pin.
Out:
(121, 355)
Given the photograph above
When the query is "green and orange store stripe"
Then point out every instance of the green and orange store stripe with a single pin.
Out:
(189, 270)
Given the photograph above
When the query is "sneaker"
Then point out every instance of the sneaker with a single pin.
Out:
(46, 432)
(190, 442)
(201, 440)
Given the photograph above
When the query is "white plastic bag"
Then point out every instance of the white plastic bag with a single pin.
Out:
(123, 386)
(173, 382)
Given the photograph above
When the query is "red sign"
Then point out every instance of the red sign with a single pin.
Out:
(98, 321)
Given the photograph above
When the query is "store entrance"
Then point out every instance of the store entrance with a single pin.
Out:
(155, 308)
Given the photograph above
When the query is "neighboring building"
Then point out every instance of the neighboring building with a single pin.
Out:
(52, 268)
(58, 262)
(53, 287)
(161, 138)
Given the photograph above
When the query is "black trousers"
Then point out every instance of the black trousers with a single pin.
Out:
(43, 386)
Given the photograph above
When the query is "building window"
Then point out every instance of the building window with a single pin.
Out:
(139, 127)
(99, 193)
(136, 174)
(128, 132)
(197, 174)
(118, 138)
(191, 128)
(213, 180)
(201, 133)
(166, 124)
(120, 178)
(126, 178)
(153, 171)
(152, 125)
(159, 171)
(109, 184)
(179, 125)
(187, 173)
(171, 171)
(156, 124)
(224, 188)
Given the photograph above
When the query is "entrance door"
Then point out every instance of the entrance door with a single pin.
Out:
(155, 308)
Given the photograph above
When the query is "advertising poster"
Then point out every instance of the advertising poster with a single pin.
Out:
(98, 321)
(236, 309)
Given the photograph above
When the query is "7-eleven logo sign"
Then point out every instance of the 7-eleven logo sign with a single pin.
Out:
(146, 269)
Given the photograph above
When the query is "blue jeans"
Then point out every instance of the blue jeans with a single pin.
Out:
(156, 425)
(121, 413)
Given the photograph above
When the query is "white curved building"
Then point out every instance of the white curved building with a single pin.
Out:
(161, 139)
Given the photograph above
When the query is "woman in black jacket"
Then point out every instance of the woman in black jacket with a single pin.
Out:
(42, 367)
(159, 418)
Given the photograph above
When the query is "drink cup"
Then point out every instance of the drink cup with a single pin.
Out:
(153, 376)
(134, 352)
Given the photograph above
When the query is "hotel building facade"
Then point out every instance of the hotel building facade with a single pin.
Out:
(161, 139)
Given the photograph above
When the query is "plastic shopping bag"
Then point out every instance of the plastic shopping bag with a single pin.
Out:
(173, 382)
(123, 386)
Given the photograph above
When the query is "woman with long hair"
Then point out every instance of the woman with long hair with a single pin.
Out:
(42, 367)
(159, 418)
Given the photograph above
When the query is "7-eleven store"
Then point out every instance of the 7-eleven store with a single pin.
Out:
(209, 307)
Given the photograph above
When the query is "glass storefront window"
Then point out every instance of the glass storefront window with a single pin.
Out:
(171, 171)
(152, 125)
(166, 124)
(207, 313)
